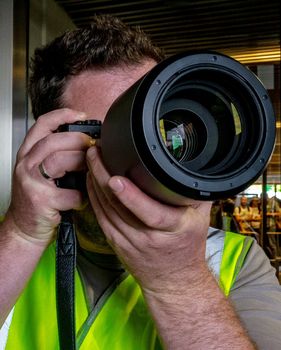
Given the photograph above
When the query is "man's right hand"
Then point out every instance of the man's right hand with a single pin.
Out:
(36, 202)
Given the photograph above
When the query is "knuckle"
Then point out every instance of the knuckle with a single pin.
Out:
(170, 221)
(40, 120)
(51, 161)
(21, 168)
(156, 221)
(44, 143)
(65, 110)
(21, 152)
(66, 113)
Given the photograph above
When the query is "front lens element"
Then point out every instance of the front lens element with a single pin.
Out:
(173, 136)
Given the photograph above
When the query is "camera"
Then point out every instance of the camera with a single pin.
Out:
(199, 125)
(77, 180)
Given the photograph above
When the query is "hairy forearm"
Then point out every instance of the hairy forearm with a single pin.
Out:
(18, 258)
(197, 317)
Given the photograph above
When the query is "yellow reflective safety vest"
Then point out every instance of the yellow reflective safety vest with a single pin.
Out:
(120, 320)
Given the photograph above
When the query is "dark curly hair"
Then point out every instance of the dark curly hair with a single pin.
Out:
(107, 42)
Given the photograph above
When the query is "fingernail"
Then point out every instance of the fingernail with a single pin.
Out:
(92, 152)
(116, 184)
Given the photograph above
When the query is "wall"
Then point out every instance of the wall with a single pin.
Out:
(6, 69)
(24, 25)
(47, 21)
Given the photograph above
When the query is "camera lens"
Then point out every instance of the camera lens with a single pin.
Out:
(198, 125)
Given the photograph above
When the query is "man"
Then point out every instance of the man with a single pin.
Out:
(256, 214)
(243, 214)
(180, 304)
(273, 212)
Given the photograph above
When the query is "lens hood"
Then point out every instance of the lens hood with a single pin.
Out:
(199, 125)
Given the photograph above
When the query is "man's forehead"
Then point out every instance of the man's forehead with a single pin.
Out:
(93, 91)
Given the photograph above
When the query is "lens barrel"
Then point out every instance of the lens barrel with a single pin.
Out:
(199, 125)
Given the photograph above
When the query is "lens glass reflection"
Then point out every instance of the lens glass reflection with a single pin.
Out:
(181, 131)
(173, 136)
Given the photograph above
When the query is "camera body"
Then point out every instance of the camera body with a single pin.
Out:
(77, 180)
(90, 127)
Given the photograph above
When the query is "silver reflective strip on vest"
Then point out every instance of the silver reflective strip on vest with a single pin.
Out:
(214, 250)
(4, 331)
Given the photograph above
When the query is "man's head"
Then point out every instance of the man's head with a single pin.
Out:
(254, 202)
(86, 70)
(244, 201)
(106, 44)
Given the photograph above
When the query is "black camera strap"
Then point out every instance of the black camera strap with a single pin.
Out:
(65, 282)
(66, 246)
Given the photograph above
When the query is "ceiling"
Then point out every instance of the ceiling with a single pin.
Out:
(230, 26)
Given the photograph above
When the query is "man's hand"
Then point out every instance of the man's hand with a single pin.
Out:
(163, 247)
(34, 212)
(36, 201)
(160, 244)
